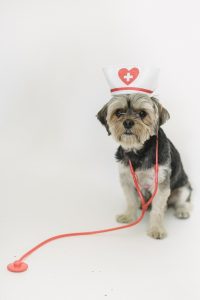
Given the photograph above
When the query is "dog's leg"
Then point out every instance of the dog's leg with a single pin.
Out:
(180, 198)
(130, 213)
(156, 226)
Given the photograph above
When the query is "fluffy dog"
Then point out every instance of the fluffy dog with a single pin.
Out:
(134, 120)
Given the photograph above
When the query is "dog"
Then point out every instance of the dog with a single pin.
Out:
(134, 121)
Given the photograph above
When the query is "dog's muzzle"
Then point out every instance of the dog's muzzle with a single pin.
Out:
(128, 124)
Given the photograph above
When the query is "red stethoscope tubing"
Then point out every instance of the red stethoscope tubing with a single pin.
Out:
(20, 266)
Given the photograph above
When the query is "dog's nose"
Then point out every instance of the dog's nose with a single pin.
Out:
(128, 123)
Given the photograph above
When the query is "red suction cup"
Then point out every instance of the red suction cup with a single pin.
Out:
(17, 266)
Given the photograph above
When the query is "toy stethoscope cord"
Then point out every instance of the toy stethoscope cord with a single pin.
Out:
(21, 266)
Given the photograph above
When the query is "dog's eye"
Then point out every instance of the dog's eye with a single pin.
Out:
(142, 114)
(119, 112)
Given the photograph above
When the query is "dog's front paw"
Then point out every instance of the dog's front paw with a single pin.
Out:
(158, 233)
(182, 213)
(124, 218)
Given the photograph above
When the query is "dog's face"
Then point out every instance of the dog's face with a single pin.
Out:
(132, 119)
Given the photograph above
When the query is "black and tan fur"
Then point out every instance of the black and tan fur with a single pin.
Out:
(134, 120)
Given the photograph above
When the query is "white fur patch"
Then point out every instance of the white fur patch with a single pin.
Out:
(146, 178)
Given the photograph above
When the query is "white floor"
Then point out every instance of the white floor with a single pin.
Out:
(42, 198)
(52, 86)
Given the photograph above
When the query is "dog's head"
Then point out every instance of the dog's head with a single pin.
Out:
(132, 119)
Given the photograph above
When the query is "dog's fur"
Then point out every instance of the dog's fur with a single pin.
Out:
(138, 144)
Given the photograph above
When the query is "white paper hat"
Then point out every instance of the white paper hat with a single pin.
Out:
(131, 79)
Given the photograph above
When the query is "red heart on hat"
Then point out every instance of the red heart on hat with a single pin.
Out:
(128, 76)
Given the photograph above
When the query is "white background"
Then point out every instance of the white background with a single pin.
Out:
(57, 167)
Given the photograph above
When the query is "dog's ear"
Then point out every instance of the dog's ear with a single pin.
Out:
(101, 116)
(163, 113)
